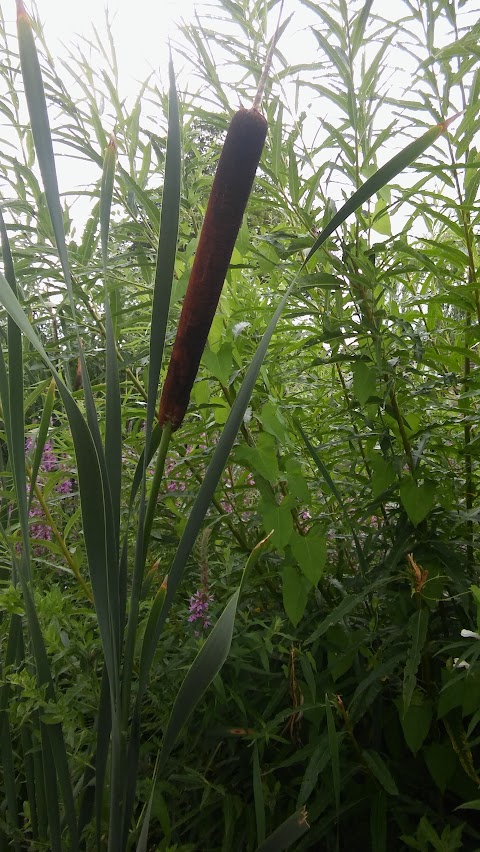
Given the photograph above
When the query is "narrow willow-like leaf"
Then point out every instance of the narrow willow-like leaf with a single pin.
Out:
(380, 770)
(333, 488)
(359, 25)
(381, 177)
(287, 833)
(334, 754)
(317, 763)
(417, 630)
(258, 796)
(346, 606)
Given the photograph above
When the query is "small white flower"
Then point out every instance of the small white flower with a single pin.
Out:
(239, 327)
(469, 634)
(460, 664)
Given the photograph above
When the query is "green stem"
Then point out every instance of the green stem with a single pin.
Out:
(155, 487)
(61, 542)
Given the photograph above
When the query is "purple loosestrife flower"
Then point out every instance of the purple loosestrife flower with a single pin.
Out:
(199, 604)
(49, 459)
(65, 487)
(39, 531)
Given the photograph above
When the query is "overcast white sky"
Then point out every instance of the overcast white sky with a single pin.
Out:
(141, 30)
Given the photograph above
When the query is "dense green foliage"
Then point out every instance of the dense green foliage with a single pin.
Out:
(352, 684)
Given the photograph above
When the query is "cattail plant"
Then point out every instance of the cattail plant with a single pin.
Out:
(96, 804)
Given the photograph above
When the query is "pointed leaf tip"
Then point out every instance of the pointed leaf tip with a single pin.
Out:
(21, 11)
(112, 142)
(447, 122)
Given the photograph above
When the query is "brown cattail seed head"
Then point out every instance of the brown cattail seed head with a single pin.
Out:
(228, 199)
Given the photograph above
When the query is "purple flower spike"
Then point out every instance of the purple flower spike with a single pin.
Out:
(199, 604)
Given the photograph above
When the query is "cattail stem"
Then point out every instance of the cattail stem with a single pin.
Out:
(155, 487)
(228, 199)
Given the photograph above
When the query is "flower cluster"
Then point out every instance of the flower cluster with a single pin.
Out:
(199, 604)
(49, 463)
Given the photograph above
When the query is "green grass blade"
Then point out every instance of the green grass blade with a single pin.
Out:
(51, 792)
(206, 665)
(113, 414)
(104, 724)
(167, 247)
(142, 844)
(37, 109)
(381, 177)
(8, 774)
(418, 630)
(12, 399)
(165, 262)
(92, 496)
(287, 833)
(41, 439)
(258, 796)
(334, 756)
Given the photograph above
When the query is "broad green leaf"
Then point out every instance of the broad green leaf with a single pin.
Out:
(415, 720)
(474, 805)
(364, 381)
(417, 500)
(220, 362)
(310, 552)
(381, 220)
(295, 591)
(261, 458)
(273, 422)
(277, 517)
(383, 474)
(297, 484)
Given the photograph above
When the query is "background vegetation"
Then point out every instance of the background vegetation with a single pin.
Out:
(352, 686)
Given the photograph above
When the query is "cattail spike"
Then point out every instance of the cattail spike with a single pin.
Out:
(228, 199)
